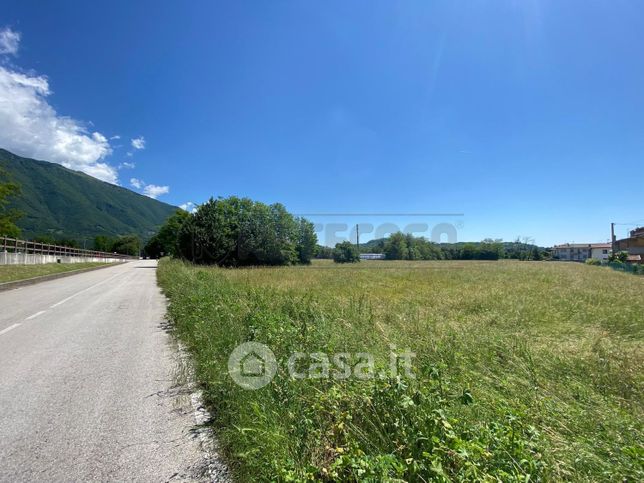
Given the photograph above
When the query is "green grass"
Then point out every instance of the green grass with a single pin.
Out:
(11, 273)
(524, 370)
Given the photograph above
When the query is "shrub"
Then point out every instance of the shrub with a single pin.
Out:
(346, 252)
(618, 257)
(593, 261)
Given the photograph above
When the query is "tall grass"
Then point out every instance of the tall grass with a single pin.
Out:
(524, 370)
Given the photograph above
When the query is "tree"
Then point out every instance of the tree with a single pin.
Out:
(307, 242)
(165, 241)
(103, 243)
(8, 217)
(238, 231)
(322, 251)
(127, 245)
(346, 252)
(396, 247)
(490, 249)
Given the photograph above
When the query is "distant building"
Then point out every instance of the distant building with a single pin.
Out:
(372, 256)
(580, 252)
(634, 245)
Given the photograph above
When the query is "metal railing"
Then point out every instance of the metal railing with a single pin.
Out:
(13, 245)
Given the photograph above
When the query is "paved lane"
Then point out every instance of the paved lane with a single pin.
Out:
(87, 382)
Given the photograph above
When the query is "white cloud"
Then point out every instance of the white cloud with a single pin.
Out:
(154, 191)
(189, 206)
(138, 143)
(9, 41)
(126, 165)
(30, 126)
(151, 190)
(116, 136)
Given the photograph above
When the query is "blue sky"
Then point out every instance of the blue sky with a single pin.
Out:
(525, 116)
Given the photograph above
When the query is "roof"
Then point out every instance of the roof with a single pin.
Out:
(634, 258)
(584, 245)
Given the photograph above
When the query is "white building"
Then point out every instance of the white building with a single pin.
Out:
(580, 252)
(372, 256)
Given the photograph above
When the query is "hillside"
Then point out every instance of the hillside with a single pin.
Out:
(70, 204)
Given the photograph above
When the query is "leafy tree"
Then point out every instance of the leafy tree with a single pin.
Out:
(307, 243)
(429, 250)
(238, 231)
(346, 252)
(61, 242)
(322, 251)
(8, 217)
(396, 247)
(104, 243)
(165, 241)
(46, 239)
(67, 242)
(127, 245)
(490, 249)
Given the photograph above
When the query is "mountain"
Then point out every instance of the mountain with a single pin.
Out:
(63, 203)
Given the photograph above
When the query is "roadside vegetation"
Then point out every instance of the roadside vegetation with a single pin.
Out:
(12, 273)
(523, 371)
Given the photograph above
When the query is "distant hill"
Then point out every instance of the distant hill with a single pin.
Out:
(63, 203)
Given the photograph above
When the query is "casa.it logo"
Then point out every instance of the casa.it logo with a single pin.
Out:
(252, 365)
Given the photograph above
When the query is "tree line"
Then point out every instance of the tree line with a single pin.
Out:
(405, 246)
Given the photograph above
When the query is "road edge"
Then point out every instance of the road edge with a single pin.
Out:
(44, 278)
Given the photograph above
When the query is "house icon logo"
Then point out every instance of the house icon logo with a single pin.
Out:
(252, 365)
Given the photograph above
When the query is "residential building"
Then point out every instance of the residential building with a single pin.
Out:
(634, 245)
(580, 252)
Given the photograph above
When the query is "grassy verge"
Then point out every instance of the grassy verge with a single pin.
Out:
(12, 273)
(524, 370)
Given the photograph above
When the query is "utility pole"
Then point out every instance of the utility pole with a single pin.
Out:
(612, 237)
(357, 238)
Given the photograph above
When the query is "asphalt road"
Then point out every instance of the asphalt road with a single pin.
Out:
(88, 382)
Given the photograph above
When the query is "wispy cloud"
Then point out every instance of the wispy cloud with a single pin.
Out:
(9, 41)
(136, 183)
(138, 143)
(126, 165)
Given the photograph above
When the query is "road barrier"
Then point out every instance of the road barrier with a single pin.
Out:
(15, 251)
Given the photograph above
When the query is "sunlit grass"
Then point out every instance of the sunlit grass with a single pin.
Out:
(11, 273)
(523, 368)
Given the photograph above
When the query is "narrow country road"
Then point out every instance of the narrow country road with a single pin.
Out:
(88, 382)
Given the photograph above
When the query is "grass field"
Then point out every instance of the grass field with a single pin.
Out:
(523, 370)
(11, 273)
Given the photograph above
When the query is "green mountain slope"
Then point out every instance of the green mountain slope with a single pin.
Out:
(70, 204)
